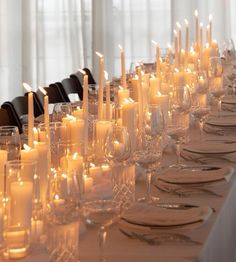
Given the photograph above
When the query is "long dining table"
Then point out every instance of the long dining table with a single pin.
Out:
(216, 237)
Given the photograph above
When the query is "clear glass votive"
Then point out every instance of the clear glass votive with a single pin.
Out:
(21, 193)
(10, 141)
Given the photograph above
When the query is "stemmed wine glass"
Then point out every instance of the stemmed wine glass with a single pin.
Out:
(178, 123)
(101, 214)
(60, 110)
(149, 154)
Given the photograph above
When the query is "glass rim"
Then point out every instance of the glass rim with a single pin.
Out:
(9, 128)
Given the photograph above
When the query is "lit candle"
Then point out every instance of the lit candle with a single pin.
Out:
(206, 56)
(1, 224)
(208, 34)
(77, 133)
(155, 83)
(103, 128)
(21, 193)
(157, 58)
(140, 100)
(134, 84)
(123, 73)
(129, 119)
(16, 240)
(108, 98)
(180, 36)
(122, 94)
(78, 113)
(88, 183)
(3, 160)
(100, 88)
(186, 41)
(36, 229)
(30, 114)
(196, 28)
(85, 111)
(43, 167)
(178, 78)
(57, 201)
(169, 54)
(201, 38)
(210, 28)
(176, 49)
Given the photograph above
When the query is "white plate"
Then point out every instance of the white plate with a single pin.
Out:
(229, 121)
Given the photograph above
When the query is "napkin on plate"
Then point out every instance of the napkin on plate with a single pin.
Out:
(150, 215)
(190, 176)
(209, 151)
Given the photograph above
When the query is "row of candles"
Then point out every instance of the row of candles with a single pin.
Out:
(145, 89)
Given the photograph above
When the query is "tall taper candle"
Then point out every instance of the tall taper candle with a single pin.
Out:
(196, 27)
(100, 88)
(108, 98)
(122, 60)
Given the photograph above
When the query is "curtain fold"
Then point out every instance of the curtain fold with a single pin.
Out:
(43, 41)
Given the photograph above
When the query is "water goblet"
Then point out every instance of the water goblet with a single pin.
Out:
(60, 110)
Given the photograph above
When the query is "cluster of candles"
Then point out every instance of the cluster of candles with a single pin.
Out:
(146, 88)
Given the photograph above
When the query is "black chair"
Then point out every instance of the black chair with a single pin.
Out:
(79, 76)
(54, 95)
(14, 119)
(4, 118)
(63, 92)
(72, 86)
(38, 106)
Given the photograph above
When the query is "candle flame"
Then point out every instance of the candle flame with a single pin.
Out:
(175, 32)
(92, 165)
(75, 155)
(35, 130)
(56, 197)
(64, 175)
(182, 51)
(35, 176)
(186, 22)
(196, 13)
(188, 70)
(154, 42)
(214, 41)
(201, 24)
(169, 45)
(128, 100)
(121, 88)
(208, 27)
(191, 49)
(116, 142)
(158, 93)
(43, 90)
(152, 76)
(82, 71)
(176, 70)
(201, 78)
(178, 25)
(26, 147)
(106, 75)
(210, 17)
(207, 45)
(99, 54)
(121, 48)
(27, 87)
(36, 142)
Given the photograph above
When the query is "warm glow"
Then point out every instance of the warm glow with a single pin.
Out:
(128, 100)
(169, 46)
(92, 165)
(182, 51)
(158, 93)
(196, 13)
(121, 88)
(106, 75)
(75, 155)
(152, 76)
(176, 70)
(64, 176)
(71, 117)
(208, 27)
(116, 142)
(175, 33)
(27, 87)
(82, 71)
(56, 197)
(35, 176)
(207, 45)
(120, 46)
(201, 24)
(186, 22)
(26, 147)
(201, 78)
(99, 54)
(178, 25)
(210, 17)
(43, 90)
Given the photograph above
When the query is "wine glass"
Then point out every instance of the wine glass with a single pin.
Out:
(118, 147)
(10, 141)
(148, 155)
(101, 214)
(60, 110)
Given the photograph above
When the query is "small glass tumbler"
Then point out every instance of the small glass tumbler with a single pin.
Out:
(21, 196)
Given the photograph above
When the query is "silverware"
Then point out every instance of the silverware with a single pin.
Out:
(159, 238)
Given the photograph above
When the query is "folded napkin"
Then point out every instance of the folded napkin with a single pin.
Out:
(150, 215)
(224, 121)
(190, 176)
(219, 130)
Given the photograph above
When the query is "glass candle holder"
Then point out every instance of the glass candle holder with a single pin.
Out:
(21, 196)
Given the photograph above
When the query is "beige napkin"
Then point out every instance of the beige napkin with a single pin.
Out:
(188, 176)
(149, 215)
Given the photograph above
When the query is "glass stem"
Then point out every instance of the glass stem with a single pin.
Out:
(178, 148)
(148, 185)
(201, 128)
(102, 234)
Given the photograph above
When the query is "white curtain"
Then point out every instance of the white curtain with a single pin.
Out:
(43, 41)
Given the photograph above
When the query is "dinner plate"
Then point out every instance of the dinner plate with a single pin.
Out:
(190, 177)
(151, 216)
(229, 100)
(208, 147)
(229, 121)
